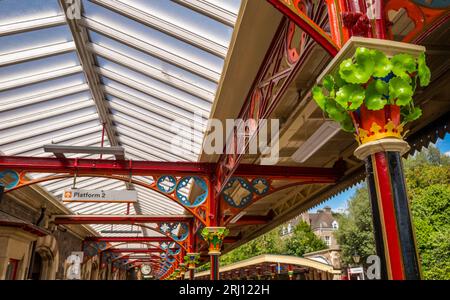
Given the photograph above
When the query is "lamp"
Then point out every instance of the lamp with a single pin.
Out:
(356, 258)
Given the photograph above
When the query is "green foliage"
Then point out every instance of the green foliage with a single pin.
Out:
(358, 69)
(350, 96)
(355, 232)
(374, 94)
(431, 214)
(403, 65)
(423, 70)
(303, 241)
(269, 243)
(400, 89)
(359, 80)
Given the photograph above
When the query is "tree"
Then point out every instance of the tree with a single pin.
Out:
(355, 232)
(303, 240)
(269, 243)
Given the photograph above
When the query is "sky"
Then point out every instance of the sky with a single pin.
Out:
(338, 203)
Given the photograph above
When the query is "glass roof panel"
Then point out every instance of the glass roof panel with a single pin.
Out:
(39, 66)
(41, 88)
(35, 39)
(13, 11)
(167, 70)
(152, 36)
(186, 18)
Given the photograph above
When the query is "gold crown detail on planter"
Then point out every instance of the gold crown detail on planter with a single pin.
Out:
(378, 132)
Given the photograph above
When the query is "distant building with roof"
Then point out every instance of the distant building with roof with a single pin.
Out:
(323, 223)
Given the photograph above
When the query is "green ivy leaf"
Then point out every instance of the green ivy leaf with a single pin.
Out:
(328, 82)
(350, 96)
(347, 124)
(338, 81)
(401, 90)
(374, 95)
(423, 70)
(402, 64)
(361, 70)
(414, 114)
(382, 64)
(319, 97)
(335, 111)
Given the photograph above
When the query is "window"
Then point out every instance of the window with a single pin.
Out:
(327, 240)
(11, 269)
(335, 225)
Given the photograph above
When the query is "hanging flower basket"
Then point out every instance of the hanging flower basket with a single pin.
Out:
(368, 87)
(214, 236)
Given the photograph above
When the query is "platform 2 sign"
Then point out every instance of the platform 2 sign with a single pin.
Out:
(79, 195)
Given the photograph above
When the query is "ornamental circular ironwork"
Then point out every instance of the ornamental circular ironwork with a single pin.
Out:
(434, 3)
(164, 245)
(182, 234)
(260, 186)
(101, 245)
(240, 199)
(198, 182)
(174, 248)
(166, 183)
(10, 176)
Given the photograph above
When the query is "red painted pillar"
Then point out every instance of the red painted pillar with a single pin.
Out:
(394, 232)
(213, 223)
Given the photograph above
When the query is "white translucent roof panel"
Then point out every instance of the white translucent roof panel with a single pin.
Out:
(153, 36)
(157, 64)
(14, 11)
(153, 67)
(35, 39)
(167, 95)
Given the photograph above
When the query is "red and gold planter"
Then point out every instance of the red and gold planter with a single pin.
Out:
(191, 260)
(214, 236)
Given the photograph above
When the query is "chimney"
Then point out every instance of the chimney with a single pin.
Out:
(327, 209)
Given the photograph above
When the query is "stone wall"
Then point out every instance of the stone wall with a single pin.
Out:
(66, 241)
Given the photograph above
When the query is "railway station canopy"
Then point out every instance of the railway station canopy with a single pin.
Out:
(143, 137)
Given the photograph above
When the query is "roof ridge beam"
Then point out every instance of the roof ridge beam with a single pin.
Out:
(80, 39)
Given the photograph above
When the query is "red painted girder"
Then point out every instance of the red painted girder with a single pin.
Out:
(102, 166)
(135, 250)
(124, 167)
(130, 239)
(308, 26)
(141, 239)
(118, 219)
